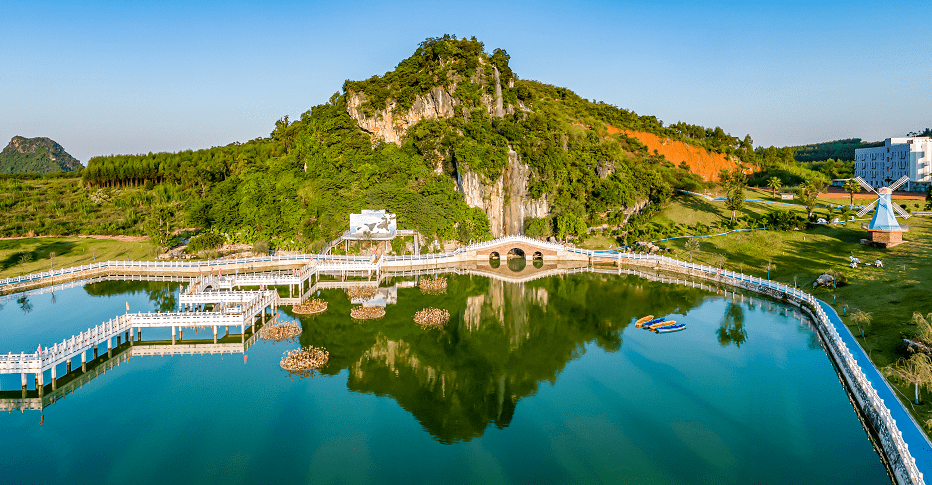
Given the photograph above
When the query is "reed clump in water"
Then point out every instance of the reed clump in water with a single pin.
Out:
(303, 362)
(367, 312)
(433, 286)
(310, 307)
(361, 292)
(432, 318)
(280, 332)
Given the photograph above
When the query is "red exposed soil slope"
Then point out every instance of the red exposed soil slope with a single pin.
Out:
(701, 161)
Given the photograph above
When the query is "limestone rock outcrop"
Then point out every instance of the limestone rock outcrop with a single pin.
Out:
(505, 199)
(390, 126)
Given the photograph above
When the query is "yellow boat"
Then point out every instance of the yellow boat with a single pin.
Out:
(662, 324)
(642, 321)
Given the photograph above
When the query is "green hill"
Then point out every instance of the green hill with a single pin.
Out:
(36, 155)
(837, 150)
(451, 140)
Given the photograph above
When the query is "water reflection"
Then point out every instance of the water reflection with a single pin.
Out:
(159, 293)
(502, 341)
(24, 304)
(516, 263)
(731, 329)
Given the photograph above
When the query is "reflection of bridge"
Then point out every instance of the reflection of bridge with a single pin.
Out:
(39, 399)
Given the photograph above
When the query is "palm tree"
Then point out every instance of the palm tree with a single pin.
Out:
(719, 260)
(852, 187)
(692, 246)
(917, 370)
(23, 259)
(924, 325)
(774, 183)
(769, 266)
(861, 319)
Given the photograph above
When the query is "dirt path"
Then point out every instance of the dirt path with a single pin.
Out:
(89, 236)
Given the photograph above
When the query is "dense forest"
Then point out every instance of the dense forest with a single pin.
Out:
(837, 150)
(296, 187)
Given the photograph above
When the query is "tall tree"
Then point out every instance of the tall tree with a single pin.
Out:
(733, 182)
(774, 183)
(808, 194)
(917, 371)
(852, 187)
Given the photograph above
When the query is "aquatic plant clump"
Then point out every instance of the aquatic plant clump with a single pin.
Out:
(303, 362)
(432, 318)
(310, 307)
(367, 312)
(361, 292)
(433, 286)
(280, 332)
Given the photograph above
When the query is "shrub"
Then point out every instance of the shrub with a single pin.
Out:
(261, 248)
(206, 240)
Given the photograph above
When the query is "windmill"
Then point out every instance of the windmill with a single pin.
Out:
(884, 230)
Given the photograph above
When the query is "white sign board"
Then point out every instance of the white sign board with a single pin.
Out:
(372, 222)
(786, 196)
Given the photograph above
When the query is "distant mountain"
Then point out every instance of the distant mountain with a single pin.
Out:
(36, 155)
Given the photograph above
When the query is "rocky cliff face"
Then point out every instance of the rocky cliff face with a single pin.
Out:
(505, 199)
(36, 155)
(391, 127)
(519, 206)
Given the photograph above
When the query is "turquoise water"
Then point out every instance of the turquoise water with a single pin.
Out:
(548, 381)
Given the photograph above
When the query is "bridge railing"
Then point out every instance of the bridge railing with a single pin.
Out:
(213, 264)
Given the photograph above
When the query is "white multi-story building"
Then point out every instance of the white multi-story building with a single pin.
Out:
(881, 166)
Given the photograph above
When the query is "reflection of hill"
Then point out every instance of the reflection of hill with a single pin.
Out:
(159, 292)
(502, 341)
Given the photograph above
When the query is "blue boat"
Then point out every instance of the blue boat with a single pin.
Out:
(669, 328)
(653, 322)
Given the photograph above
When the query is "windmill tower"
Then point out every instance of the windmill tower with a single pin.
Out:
(884, 230)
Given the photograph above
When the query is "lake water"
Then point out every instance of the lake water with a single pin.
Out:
(545, 382)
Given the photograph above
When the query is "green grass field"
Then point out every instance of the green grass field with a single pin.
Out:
(69, 251)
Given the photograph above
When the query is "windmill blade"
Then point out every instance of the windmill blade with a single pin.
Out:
(899, 182)
(864, 184)
(899, 210)
(866, 208)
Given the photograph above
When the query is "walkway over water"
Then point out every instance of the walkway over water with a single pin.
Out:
(39, 399)
(250, 306)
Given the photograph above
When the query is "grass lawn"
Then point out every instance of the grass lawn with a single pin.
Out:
(599, 241)
(69, 251)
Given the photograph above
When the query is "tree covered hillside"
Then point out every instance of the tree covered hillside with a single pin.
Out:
(296, 187)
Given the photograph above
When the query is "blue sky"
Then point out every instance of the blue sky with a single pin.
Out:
(128, 77)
